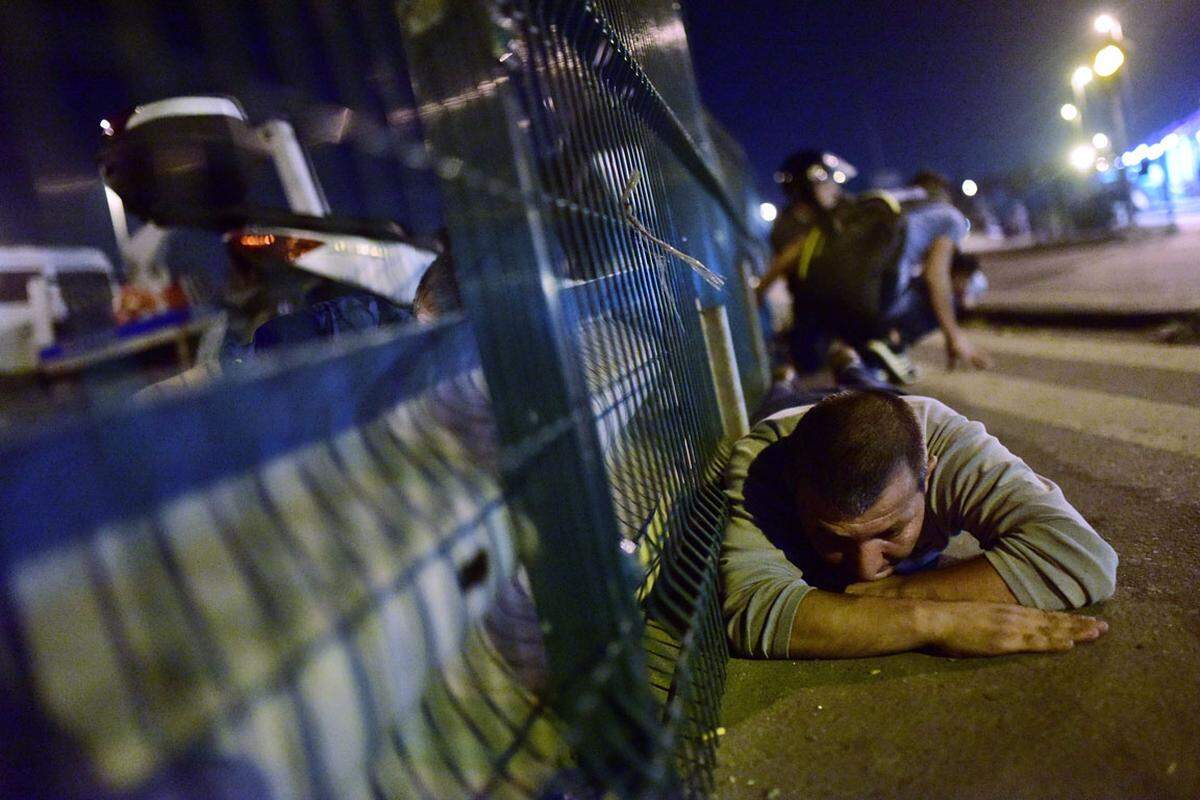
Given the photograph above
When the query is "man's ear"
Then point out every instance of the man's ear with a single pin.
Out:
(929, 465)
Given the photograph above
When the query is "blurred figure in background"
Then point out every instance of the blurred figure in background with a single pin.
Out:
(812, 182)
(872, 274)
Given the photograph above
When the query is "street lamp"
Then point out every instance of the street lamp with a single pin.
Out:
(1080, 78)
(1100, 141)
(1083, 157)
(1069, 112)
(768, 212)
(1107, 25)
(1108, 60)
(969, 187)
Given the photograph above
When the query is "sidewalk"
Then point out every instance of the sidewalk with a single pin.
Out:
(1158, 275)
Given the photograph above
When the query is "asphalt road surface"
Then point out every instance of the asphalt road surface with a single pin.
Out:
(1148, 273)
(1114, 419)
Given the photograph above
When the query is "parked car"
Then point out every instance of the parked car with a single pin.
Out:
(46, 292)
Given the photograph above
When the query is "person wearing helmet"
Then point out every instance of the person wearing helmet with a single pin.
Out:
(812, 181)
(918, 298)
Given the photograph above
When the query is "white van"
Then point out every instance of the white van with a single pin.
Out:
(41, 287)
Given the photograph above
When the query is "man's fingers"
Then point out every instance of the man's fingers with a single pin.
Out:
(993, 629)
(1088, 628)
(1055, 631)
(1081, 628)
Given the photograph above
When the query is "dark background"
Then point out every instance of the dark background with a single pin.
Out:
(968, 88)
(971, 89)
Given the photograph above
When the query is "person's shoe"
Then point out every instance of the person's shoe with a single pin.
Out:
(849, 370)
(896, 361)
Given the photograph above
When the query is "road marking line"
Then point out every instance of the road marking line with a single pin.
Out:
(1159, 426)
(1177, 358)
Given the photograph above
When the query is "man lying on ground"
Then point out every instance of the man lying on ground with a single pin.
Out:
(839, 512)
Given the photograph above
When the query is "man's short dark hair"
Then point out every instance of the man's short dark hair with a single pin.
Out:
(847, 447)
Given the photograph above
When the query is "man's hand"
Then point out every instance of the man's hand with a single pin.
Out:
(960, 351)
(992, 629)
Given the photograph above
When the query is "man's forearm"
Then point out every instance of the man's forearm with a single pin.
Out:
(830, 625)
(779, 266)
(975, 579)
(941, 290)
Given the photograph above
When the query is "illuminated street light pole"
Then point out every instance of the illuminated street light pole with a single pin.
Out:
(1080, 78)
(1107, 65)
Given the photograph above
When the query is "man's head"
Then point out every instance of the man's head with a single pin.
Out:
(860, 470)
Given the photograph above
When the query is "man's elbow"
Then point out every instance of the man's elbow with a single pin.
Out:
(1107, 574)
(739, 637)
(1100, 582)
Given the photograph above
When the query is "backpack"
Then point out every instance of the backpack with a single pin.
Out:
(851, 267)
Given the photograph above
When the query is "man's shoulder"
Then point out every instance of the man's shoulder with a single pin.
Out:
(929, 409)
(764, 434)
(775, 427)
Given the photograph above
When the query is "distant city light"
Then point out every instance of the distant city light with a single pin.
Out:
(1107, 25)
(1128, 159)
(1102, 165)
(1081, 77)
(1069, 112)
(1083, 157)
(969, 187)
(1155, 151)
(1170, 140)
(768, 211)
(839, 176)
(1108, 60)
(1099, 141)
(106, 127)
(1155, 175)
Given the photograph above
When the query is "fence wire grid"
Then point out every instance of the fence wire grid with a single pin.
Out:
(474, 558)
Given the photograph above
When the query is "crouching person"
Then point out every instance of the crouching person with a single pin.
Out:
(840, 511)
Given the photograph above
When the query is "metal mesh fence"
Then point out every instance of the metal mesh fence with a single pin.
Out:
(275, 588)
(453, 561)
(580, 150)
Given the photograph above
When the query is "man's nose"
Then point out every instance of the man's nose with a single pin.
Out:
(868, 559)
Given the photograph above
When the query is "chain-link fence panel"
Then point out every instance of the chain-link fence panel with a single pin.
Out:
(454, 559)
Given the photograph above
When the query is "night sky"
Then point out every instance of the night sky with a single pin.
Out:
(968, 88)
